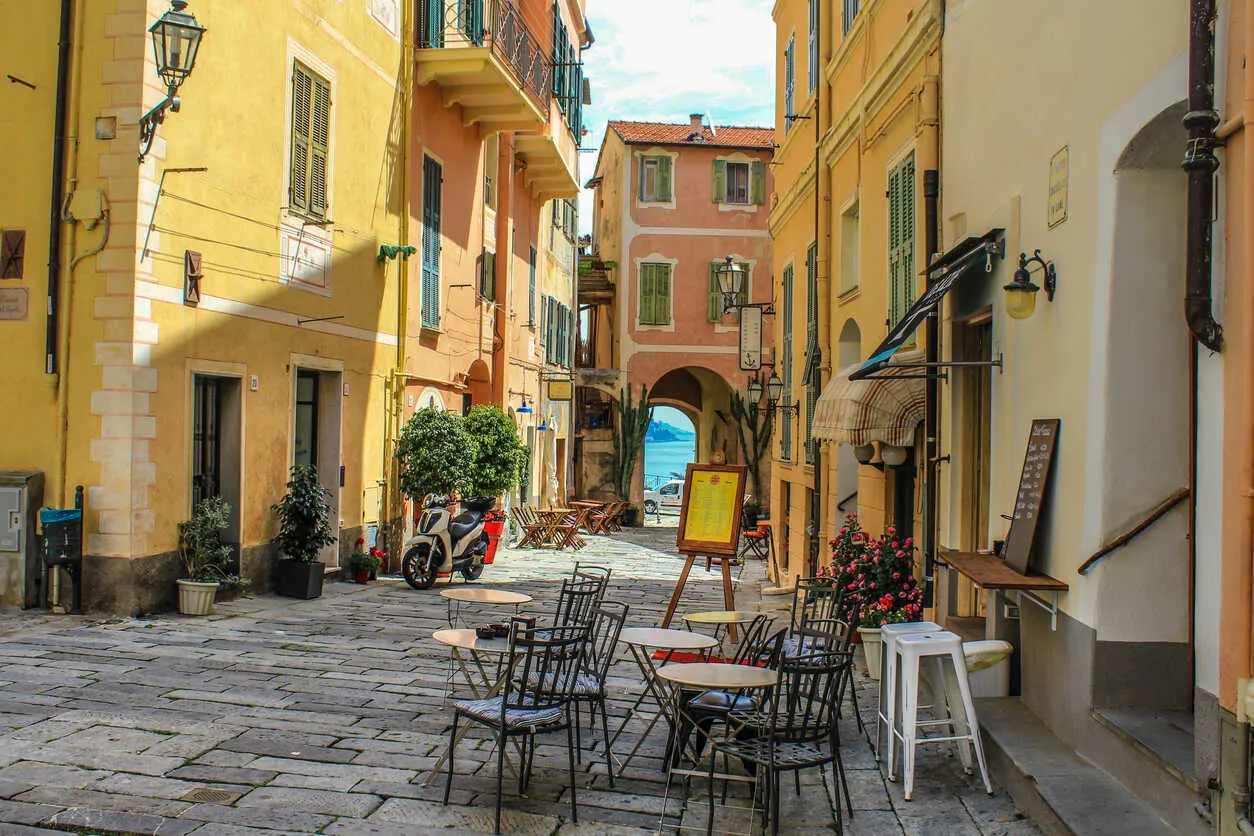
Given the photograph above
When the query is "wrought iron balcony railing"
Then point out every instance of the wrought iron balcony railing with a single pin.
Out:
(454, 24)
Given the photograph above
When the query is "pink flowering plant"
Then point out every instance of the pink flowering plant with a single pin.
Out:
(875, 574)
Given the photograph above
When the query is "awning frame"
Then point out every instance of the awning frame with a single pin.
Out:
(951, 266)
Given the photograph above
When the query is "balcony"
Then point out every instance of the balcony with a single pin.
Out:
(552, 157)
(486, 60)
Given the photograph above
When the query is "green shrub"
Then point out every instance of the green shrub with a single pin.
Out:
(435, 453)
(205, 558)
(500, 456)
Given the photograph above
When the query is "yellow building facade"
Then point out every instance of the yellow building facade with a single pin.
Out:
(856, 101)
(229, 306)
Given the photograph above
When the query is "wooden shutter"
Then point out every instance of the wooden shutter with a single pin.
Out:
(901, 239)
(785, 443)
(757, 182)
(298, 175)
(714, 301)
(663, 295)
(814, 45)
(720, 181)
(531, 288)
(646, 294)
(319, 147)
(790, 81)
(432, 175)
(664, 179)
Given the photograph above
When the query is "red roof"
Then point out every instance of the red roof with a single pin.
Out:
(723, 136)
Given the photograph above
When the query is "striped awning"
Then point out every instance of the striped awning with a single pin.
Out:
(886, 409)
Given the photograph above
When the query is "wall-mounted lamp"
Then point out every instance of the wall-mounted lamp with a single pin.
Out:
(864, 453)
(732, 283)
(175, 41)
(894, 456)
(774, 391)
(1021, 293)
(524, 409)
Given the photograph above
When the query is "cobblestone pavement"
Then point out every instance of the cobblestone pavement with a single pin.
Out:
(328, 716)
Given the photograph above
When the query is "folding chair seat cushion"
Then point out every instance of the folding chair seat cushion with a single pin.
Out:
(586, 685)
(488, 712)
(722, 701)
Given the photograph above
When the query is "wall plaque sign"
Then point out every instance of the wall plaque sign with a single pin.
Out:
(1030, 501)
(13, 303)
(561, 390)
(1059, 173)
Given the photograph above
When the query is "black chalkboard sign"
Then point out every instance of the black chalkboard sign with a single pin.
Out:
(1031, 498)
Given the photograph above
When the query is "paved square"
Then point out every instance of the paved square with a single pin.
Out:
(328, 716)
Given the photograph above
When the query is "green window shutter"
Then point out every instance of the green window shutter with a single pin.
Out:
(646, 294)
(664, 179)
(720, 181)
(714, 299)
(531, 288)
(319, 147)
(640, 189)
(785, 362)
(662, 298)
(743, 297)
(757, 182)
(901, 241)
(298, 176)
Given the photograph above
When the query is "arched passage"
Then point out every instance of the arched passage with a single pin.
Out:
(1143, 591)
(848, 353)
(478, 382)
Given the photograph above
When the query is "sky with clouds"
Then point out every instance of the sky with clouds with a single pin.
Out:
(660, 60)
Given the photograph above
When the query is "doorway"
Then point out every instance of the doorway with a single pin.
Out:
(216, 441)
(317, 407)
(973, 343)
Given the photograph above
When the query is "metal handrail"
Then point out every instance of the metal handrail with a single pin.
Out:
(1158, 512)
(454, 24)
(840, 506)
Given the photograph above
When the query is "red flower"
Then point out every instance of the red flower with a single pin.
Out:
(361, 541)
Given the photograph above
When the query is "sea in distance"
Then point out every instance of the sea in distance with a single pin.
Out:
(667, 451)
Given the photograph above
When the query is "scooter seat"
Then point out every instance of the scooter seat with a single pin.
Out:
(461, 525)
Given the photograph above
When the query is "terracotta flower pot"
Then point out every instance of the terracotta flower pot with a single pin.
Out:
(361, 577)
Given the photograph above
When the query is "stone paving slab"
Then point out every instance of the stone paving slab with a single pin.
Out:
(328, 715)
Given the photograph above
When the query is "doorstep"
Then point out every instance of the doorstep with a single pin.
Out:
(1061, 791)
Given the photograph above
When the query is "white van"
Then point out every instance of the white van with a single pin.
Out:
(669, 495)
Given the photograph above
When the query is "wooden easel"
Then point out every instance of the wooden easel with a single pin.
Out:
(720, 548)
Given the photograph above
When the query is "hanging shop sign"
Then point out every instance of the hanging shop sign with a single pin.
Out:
(750, 338)
(561, 390)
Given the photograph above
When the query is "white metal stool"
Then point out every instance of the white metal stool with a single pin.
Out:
(936, 648)
(889, 634)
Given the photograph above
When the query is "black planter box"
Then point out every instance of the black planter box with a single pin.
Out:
(300, 580)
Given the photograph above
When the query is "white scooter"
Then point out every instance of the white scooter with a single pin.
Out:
(445, 544)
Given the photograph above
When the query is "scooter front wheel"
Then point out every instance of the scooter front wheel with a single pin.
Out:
(473, 571)
(418, 567)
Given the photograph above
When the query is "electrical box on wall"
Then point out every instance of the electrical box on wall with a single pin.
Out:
(21, 568)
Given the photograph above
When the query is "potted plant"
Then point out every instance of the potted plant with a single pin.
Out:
(877, 576)
(304, 529)
(363, 564)
(208, 563)
(494, 527)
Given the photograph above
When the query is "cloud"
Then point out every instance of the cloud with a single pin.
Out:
(660, 60)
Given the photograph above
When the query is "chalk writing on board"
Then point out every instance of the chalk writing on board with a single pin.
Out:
(1030, 500)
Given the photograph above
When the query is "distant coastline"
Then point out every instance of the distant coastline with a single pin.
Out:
(660, 432)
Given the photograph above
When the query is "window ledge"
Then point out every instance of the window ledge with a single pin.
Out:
(430, 330)
(738, 207)
(849, 295)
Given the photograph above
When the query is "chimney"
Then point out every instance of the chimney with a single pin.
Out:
(695, 120)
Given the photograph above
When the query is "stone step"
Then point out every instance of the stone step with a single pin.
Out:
(1061, 791)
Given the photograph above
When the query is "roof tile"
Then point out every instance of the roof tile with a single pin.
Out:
(725, 136)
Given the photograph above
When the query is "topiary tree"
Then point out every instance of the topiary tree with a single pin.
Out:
(500, 455)
(435, 452)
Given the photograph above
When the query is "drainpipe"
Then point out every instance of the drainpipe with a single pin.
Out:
(931, 428)
(505, 179)
(1200, 163)
(58, 185)
(822, 305)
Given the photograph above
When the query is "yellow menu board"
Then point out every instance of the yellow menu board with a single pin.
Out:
(710, 518)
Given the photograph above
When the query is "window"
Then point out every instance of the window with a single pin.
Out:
(206, 418)
(558, 332)
(311, 140)
(900, 239)
(814, 45)
(487, 276)
(567, 74)
(851, 11)
(655, 294)
(714, 300)
(531, 288)
(785, 435)
(740, 182)
(432, 182)
(655, 179)
(305, 444)
(790, 83)
(849, 248)
(586, 342)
